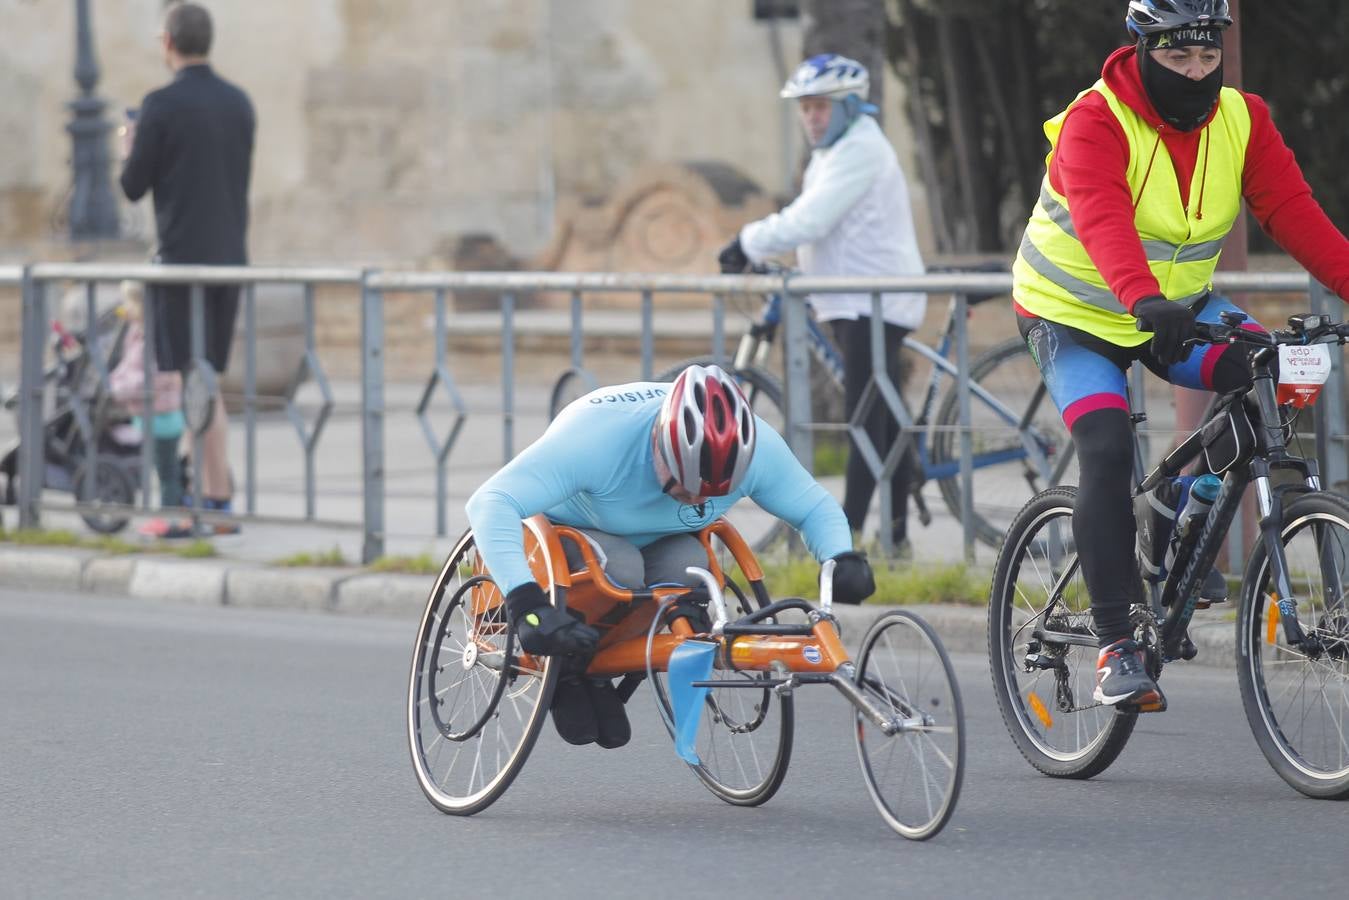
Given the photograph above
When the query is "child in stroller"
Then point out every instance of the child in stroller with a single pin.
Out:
(81, 413)
(166, 424)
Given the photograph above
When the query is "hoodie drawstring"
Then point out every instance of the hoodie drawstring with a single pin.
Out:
(1151, 160)
(1203, 178)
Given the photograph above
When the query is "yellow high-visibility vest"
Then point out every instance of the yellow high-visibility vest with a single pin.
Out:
(1053, 276)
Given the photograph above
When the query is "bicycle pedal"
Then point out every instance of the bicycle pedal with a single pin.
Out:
(1157, 704)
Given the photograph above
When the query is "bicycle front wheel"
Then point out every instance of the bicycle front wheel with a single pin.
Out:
(913, 775)
(1020, 446)
(1297, 697)
(1042, 647)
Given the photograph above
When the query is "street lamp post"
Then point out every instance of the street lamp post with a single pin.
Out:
(93, 208)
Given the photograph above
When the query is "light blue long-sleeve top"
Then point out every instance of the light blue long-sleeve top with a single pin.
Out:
(593, 468)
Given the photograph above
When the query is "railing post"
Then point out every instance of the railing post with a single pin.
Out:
(966, 438)
(32, 343)
(372, 418)
(507, 377)
(796, 377)
(1331, 446)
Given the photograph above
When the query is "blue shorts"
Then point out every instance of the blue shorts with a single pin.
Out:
(1085, 373)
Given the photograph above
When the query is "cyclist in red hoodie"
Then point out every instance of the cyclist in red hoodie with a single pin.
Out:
(1145, 177)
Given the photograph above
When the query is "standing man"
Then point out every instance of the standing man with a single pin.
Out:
(852, 218)
(191, 145)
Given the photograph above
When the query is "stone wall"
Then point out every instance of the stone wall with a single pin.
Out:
(390, 128)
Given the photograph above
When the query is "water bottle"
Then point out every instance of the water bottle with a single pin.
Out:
(1155, 517)
(1190, 521)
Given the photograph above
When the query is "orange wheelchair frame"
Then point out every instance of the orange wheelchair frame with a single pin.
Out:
(471, 686)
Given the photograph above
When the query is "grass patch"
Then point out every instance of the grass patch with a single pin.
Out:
(331, 557)
(422, 564)
(198, 549)
(900, 586)
(831, 454)
(34, 537)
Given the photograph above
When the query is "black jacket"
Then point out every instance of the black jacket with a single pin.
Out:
(194, 148)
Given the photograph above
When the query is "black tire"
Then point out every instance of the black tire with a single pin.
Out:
(1302, 734)
(1008, 372)
(507, 702)
(570, 385)
(903, 669)
(745, 739)
(764, 392)
(112, 484)
(1038, 554)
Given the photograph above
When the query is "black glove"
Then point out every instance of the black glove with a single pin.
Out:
(1171, 324)
(853, 581)
(732, 258)
(545, 630)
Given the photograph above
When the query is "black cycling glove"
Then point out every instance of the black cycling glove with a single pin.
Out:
(1171, 324)
(732, 258)
(853, 580)
(545, 630)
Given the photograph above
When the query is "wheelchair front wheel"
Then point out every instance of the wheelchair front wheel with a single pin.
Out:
(475, 705)
(913, 775)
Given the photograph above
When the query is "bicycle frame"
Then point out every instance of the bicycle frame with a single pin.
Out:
(1177, 597)
(755, 345)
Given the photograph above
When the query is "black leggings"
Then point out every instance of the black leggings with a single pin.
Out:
(853, 337)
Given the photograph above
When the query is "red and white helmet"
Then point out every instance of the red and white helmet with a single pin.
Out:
(704, 435)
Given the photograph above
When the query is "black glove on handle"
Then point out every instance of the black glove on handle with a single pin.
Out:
(525, 598)
(1171, 324)
(732, 258)
(853, 580)
(543, 629)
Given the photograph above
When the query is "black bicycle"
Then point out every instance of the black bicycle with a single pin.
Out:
(1292, 639)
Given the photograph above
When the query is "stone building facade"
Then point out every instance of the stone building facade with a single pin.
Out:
(389, 130)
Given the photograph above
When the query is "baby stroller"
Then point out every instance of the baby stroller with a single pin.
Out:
(79, 413)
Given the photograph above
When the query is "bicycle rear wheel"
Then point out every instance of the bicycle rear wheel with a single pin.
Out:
(1297, 699)
(570, 385)
(914, 775)
(1042, 647)
(763, 390)
(1006, 473)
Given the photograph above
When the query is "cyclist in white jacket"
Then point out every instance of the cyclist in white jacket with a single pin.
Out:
(852, 218)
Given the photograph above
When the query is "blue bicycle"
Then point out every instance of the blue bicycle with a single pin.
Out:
(1020, 444)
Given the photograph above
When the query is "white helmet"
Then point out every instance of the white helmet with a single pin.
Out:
(827, 75)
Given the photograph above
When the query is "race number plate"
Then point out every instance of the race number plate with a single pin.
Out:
(1302, 372)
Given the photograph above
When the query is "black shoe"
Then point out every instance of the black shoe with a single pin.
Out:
(573, 713)
(611, 719)
(1122, 677)
(1213, 591)
(549, 631)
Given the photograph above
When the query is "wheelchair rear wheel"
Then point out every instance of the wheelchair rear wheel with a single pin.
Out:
(475, 704)
(745, 737)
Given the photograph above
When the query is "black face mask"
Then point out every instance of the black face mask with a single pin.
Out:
(1183, 103)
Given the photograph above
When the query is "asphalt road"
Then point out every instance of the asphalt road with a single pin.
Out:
(154, 750)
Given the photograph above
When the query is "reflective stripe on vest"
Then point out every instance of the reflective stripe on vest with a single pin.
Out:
(1054, 276)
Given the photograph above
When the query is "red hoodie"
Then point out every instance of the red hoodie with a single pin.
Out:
(1089, 166)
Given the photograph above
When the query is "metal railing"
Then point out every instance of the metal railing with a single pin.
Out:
(37, 280)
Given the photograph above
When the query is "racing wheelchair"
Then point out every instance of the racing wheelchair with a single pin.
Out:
(476, 701)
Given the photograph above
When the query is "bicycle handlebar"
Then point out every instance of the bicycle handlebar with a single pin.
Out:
(1303, 329)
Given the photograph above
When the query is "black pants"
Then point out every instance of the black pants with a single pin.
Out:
(853, 337)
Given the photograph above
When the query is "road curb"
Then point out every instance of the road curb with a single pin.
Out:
(216, 582)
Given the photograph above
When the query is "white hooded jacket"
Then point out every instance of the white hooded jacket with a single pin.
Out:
(852, 218)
